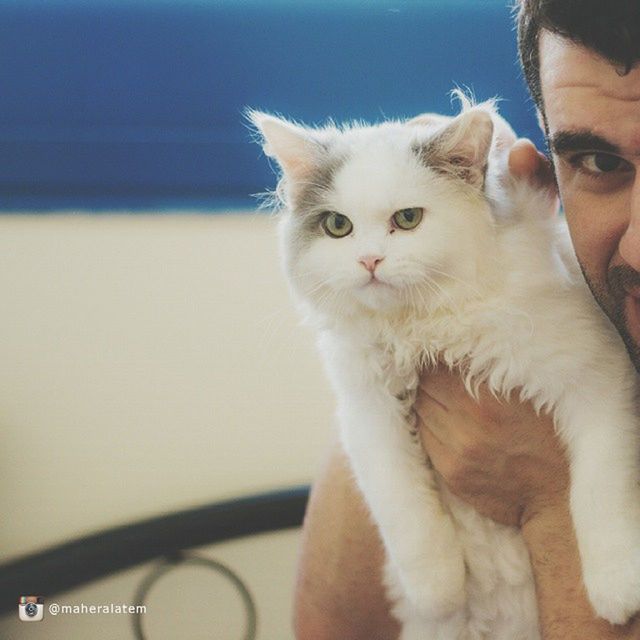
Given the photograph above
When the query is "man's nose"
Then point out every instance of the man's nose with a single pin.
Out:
(629, 246)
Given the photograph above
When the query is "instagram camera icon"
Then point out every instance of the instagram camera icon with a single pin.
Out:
(31, 608)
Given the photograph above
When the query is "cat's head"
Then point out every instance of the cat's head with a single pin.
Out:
(384, 217)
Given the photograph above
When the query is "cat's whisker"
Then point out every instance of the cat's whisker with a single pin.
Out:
(423, 297)
(409, 290)
(416, 296)
(455, 279)
(327, 294)
(441, 293)
(318, 287)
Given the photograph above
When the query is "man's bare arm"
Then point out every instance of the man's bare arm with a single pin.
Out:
(339, 592)
(507, 462)
(564, 610)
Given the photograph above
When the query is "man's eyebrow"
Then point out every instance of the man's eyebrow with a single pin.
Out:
(565, 141)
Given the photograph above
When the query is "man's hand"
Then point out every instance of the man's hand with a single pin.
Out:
(497, 455)
(526, 162)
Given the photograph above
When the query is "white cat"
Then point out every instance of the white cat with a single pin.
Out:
(407, 243)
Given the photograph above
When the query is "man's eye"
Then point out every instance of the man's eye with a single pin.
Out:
(600, 163)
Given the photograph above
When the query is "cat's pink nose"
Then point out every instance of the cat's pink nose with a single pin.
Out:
(370, 262)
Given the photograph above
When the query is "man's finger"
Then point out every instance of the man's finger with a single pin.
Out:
(444, 386)
(429, 409)
(525, 161)
(433, 447)
(435, 419)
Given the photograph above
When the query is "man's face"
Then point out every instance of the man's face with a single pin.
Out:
(593, 118)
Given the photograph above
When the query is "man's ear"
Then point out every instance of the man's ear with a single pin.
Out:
(294, 147)
(462, 148)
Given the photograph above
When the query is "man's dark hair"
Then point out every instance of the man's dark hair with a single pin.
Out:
(610, 28)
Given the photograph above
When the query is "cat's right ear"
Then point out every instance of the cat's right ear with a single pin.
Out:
(432, 120)
(292, 146)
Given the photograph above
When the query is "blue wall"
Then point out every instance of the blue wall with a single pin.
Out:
(139, 103)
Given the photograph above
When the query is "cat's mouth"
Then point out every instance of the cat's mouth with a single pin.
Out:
(377, 294)
(376, 282)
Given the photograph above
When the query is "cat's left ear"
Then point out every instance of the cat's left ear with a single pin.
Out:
(462, 148)
(292, 146)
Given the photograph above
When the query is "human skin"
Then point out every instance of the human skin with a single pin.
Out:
(593, 118)
(339, 592)
(497, 454)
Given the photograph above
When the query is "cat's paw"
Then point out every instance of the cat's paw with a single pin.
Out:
(436, 589)
(613, 584)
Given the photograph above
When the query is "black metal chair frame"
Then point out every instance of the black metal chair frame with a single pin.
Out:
(166, 538)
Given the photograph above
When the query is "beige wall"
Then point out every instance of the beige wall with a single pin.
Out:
(148, 364)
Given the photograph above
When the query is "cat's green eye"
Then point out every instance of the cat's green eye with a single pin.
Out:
(336, 225)
(407, 218)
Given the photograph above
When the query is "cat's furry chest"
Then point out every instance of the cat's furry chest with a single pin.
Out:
(398, 347)
(487, 340)
(383, 354)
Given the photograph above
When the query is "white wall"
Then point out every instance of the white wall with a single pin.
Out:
(147, 364)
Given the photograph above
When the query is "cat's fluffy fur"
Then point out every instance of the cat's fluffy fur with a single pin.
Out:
(487, 282)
